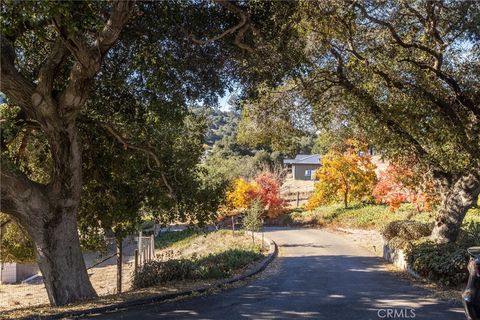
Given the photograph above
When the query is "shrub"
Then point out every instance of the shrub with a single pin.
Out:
(157, 272)
(224, 264)
(264, 188)
(444, 263)
(269, 194)
(241, 194)
(213, 266)
(406, 230)
(401, 183)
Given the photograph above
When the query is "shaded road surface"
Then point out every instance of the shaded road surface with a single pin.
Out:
(318, 275)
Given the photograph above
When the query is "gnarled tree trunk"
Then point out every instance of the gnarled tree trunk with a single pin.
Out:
(61, 261)
(49, 212)
(458, 195)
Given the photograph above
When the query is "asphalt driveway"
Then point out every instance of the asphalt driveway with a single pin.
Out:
(318, 275)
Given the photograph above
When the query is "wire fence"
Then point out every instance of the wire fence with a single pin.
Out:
(110, 272)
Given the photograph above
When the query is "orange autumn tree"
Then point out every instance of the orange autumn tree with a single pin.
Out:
(264, 187)
(401, 183)
(343, 177)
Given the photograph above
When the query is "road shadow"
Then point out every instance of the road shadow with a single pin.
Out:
(331, 287)
(304, 245)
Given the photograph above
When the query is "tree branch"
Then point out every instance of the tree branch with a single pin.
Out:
(396, 37)
(240, 28)
(47, 72)
(20, 197)
(89, 58)
(461, 97)
(370, 102)
(150, 153)
(12, 83)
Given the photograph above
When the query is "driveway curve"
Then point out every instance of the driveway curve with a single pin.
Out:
(317, 275)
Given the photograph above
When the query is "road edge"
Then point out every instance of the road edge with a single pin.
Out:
(259, 267)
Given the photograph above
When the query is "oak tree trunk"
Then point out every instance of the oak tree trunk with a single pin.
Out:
(61, 261)
(56, 237)
(458, 196)
(49, 212)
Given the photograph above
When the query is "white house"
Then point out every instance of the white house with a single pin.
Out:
(17, 272)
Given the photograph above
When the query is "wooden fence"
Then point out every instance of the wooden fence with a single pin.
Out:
(296, 199)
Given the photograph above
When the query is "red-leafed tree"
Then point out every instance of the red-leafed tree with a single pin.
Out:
(401, 183)
(269, 194)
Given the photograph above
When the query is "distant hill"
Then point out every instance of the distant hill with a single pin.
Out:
(222, 124)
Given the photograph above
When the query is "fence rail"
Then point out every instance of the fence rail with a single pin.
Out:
(297, 198)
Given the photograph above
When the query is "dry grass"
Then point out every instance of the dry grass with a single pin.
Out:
(201, 245)
(28, 300)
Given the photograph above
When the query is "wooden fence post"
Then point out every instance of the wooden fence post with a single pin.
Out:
(119, 243)
(152, 246)
(298, 199)
(136, 261)
(140, 242)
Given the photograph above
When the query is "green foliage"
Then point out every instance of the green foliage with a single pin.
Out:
(400, 232)
(156, 272)
(359, 215)
(442, 263)
(213, 266)
(274, 119)
(224, 264)
(15, 244)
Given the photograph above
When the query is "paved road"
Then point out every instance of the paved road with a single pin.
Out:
(318, 275)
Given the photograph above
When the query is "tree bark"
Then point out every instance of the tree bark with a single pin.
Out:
(61, 261)
(49, 212)
(458, 195)
(345, 197)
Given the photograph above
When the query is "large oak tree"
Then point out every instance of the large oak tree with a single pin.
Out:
(406, 73)
(51, 54)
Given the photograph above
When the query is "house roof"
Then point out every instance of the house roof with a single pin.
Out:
(304, 159)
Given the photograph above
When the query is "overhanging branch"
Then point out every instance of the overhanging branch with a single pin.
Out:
(240, 28)
(147, 150)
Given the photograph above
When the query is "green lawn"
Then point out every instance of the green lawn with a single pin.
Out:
(364, 216)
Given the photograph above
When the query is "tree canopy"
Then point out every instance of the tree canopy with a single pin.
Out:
(406, 74)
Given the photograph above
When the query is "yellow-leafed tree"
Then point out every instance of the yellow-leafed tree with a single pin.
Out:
(343, 177)
(242, 193)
